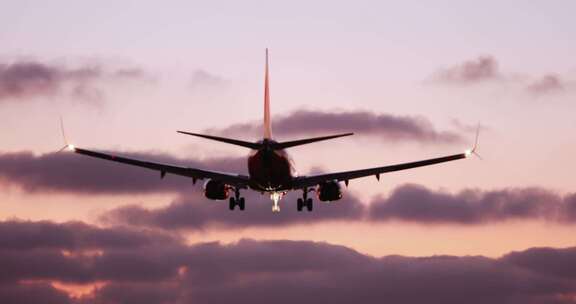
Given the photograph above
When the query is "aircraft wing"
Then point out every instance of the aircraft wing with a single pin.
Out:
(195, 174)
(311, 181)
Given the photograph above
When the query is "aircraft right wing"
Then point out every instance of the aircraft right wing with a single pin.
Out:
(311, 181)
(196, 174)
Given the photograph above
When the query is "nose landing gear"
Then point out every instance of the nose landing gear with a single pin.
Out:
(275, 196)
(236, 201)
(305, 202)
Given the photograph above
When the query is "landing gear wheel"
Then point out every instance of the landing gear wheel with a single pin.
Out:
(299, 204)
(232, 204)
(309, 204)
(241, 203)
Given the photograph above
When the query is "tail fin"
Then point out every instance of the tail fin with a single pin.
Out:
(267, 121)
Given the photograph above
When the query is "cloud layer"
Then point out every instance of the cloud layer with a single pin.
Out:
(25, 80)
(408, 203)
(364, 123)
(158, 269)
(416, 203)
(69, 172)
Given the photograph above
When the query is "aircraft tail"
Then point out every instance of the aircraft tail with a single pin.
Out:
(267, 120)
(236, 142)
(300, 142)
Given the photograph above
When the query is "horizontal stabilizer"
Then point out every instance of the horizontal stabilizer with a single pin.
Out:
(236, 142)
(288, 144)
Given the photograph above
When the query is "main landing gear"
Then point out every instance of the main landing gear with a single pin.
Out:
(305, 201)
(237, 200)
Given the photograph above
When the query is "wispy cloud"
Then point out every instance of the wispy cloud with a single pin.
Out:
(546, 85)
(365, 123)
(478, 70)
(485, 69)
(25, 80)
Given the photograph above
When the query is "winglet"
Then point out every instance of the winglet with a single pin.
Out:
(472, 151)
(68, 146)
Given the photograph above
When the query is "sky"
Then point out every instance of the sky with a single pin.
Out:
(411, 79)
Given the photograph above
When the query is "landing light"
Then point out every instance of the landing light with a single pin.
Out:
(468, 152)
(71, 148)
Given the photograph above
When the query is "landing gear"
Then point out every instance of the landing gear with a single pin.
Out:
(275, 196)
(305, 202)
(236, 201)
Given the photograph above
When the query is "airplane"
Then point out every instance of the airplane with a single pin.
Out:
(270, 168)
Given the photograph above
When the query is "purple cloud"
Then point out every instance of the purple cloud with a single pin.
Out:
(364, 123)
(546, 85)
(481, 69)
(24, 80)
(282, 271)
(416, 203)
(191, 211)
(69, 172)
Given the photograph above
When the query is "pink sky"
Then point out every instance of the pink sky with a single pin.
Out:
(156, 68)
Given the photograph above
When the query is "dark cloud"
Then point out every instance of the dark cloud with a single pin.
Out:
(363, 123)
(481, 69)
(30, 293)
(546, 85)
(418, 204)
(27, 235)
(69, 172)
(410, 203)
(279, 271)
(24, 80)
(192, 211)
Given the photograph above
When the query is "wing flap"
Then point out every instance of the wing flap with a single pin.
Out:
(310, 181)
(195, 174)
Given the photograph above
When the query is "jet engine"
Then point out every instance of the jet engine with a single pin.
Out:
(216, 190)
(329, 191)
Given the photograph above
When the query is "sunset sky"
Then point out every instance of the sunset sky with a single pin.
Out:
(412, 80)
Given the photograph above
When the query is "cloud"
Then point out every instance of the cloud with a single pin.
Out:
(546, 85)
(66, 173)
(409, 203)
(203, 78)
(486, 69)
(363, 123)
(416, 203)
(192, 211)
(481, 69)
(26, 80)
(69, 172)
(280, 271)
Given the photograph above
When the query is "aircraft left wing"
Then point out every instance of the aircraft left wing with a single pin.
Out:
(311, 181)
(195, 174)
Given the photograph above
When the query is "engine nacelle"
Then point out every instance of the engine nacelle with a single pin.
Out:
(329, 191)
(216, 190)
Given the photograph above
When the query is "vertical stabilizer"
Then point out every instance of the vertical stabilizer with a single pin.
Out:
(267, 121)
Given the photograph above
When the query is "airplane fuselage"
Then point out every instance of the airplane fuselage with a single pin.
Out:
(270, 169)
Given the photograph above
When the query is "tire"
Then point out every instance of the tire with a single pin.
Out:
(241, 204)
(309, 204)
(232, 203)
(299, 204)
